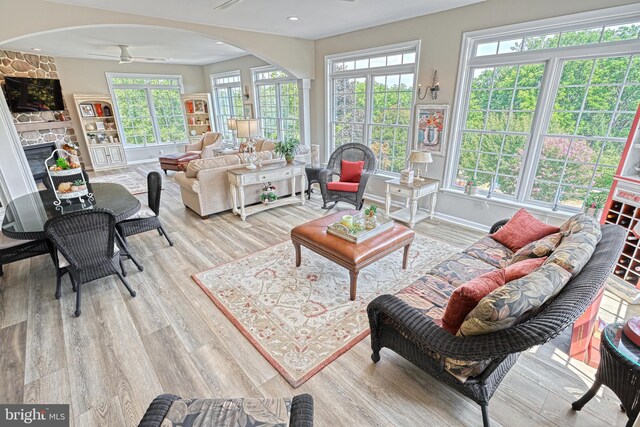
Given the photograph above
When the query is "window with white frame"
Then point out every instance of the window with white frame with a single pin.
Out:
(277, 103)
(149, 109)
(370, 102)
(227, 98)
(543, 115)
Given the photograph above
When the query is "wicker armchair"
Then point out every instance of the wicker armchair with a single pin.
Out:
(351, 152)
(301, 411)
(12, 250)
(136, 225)
(85, 248)
(403, 329)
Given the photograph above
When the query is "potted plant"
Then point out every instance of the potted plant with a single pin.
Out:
(470, 188)
(268, 194)
(370, 218)
(595, 204)
(287, 149)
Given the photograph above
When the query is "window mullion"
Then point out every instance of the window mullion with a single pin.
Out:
(541, 118)
(279, 124)
(368, 114)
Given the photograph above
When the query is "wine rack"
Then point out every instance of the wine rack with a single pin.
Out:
(627, 216)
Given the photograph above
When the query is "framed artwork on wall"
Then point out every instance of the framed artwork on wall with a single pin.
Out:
(87, 110)
(431, 128)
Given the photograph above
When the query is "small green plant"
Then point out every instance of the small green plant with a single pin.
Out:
(62, 163)
(268, 193)
(596, 200)
(371, 210)
(78, 182)
(287, 148)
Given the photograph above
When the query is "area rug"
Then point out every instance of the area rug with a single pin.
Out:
(135, 182)
(301, 319)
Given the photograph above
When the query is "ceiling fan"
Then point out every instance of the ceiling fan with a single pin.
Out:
(227, 4)
(126, 58)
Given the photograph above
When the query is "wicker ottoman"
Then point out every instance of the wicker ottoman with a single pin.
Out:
(177, 161)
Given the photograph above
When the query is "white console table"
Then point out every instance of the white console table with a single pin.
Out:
(239, 178)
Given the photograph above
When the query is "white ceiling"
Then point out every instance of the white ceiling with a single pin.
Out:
(318, 18)
(183, 47)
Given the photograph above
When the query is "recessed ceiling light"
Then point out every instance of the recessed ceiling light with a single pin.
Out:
(219, 42)
(36, 49)
(169, 59)
(293, 18)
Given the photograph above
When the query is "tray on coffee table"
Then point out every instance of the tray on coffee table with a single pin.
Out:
(359, 233)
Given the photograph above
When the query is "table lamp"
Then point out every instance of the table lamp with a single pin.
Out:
(248, 128)
(420, 157)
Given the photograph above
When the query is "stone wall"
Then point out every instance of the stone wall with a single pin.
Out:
(21, 64)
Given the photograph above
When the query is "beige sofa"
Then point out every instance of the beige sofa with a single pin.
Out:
(205, 188)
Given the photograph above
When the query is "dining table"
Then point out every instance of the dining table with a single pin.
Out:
(25, 216)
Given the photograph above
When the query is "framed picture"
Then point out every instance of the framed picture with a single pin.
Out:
(100, 126)
(431, 128)
(247, 111)
(87, 110)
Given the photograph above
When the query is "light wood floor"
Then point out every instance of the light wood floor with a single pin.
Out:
(122, 352)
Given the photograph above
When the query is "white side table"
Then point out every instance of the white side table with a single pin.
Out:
(412, 193)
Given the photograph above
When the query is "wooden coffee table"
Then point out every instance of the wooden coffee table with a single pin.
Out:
(352, 256)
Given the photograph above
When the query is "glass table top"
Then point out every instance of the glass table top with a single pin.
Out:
(26, 215)
(621, 344)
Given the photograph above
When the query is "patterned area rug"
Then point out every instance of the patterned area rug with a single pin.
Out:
(135, 182)
(301, 319)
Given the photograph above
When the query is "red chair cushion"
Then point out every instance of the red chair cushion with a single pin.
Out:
(351, 171)
(521, 230)
(467, 296)
(347, 187)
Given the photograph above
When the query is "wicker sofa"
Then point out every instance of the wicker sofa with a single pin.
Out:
(417, 335)
(205, 188)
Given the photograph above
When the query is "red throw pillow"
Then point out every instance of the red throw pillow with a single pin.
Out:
(521, 230)
(467, 296)
(351, 171)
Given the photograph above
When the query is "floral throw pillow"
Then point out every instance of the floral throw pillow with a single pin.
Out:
(538, 249)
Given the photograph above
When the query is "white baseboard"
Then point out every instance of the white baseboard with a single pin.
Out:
(137, 162)
(462, 222)
(448, 218)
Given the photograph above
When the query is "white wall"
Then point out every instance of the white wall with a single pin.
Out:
(441, 36)
(88, 76)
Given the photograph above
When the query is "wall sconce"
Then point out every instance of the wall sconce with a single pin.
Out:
(434, 88)
(246, 95)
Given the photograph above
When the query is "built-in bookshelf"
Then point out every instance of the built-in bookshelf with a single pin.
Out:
(197, 107)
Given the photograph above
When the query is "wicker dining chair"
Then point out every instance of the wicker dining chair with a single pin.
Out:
(12, 250)
(352, 152)
(85, 243)
(147, 218)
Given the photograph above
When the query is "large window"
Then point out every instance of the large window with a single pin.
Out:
(227, 96)
(277, 103)
(370, 102)
(149, 109)
(543, 117)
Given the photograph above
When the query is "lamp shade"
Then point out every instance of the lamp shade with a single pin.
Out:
(248, 128)
(231, 124)
(420, 157)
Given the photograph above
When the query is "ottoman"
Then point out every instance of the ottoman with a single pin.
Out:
(352, 256)
(177, 161)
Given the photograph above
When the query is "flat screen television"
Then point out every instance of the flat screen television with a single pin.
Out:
(25, 95)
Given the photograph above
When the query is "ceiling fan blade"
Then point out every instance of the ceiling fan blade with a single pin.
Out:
(226, 4)
(106, 56)
(136, 58)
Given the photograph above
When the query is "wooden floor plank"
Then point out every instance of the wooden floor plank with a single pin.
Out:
(12, 362)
